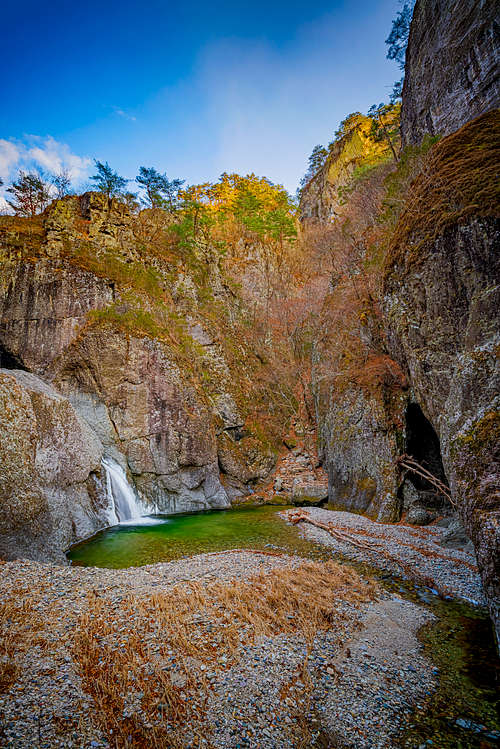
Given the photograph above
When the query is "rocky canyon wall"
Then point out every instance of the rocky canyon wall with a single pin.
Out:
(451, 73)
(438, 298)
(116, 336)
(441, 302)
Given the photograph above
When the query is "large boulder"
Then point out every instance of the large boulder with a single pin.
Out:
(51, 493)
(307, 491)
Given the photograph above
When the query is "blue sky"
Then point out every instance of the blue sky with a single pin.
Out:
(192, 89)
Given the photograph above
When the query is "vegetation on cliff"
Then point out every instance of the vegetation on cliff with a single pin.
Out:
(222, 260)
(458, 180)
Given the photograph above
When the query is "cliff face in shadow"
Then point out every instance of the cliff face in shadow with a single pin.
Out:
(438, 307)
(441, 302)
(451, 73)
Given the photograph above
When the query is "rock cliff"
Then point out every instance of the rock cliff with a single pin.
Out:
(443, 326)
(451, 73)
(433, 288)
(359, 450)
(323, 197)
(51, 490)
(439, 311)
(147, 357)
(360, 394)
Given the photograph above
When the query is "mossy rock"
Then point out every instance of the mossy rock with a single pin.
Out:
(279, 499)
(305, 501)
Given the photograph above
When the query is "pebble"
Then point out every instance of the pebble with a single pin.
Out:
(360, 687)
(451, 573)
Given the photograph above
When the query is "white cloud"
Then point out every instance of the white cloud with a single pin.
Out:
(125, 115)
(38, 152)
(54, 156)
(10, 154)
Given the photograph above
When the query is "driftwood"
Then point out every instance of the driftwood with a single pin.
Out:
(295, 518)
(406, 461)
(408, 569)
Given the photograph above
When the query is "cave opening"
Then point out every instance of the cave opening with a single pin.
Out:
(9, 360)
(422, 444)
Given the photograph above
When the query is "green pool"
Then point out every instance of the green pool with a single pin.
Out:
(182, 535)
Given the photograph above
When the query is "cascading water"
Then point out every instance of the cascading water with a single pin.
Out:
(124, 506)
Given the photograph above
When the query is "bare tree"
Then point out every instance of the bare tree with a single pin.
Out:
(31, 194)
(62, 183)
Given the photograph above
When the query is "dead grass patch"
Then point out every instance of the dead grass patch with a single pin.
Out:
(145, 662)
(457, 181)
(19, 626)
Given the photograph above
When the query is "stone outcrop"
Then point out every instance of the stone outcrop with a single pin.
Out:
(139, 402)
(128, 389)
(442, 296)
(323, 197)
(43, 306)
(359, 448)
(451, 73)
(309, 492)
(51, 491)
(360, 427)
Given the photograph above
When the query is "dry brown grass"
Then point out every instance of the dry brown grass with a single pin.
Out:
(144, 663)
(457, 181)
(9, 617)
(19, 630)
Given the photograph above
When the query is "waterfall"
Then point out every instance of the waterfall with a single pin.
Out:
(123, 503)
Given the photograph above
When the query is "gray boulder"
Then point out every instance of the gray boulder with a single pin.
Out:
(51, 493)
(419, 516)
(309, 491)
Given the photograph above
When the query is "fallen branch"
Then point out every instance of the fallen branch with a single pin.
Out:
(407, 569)
(335, 532)
(406, 461)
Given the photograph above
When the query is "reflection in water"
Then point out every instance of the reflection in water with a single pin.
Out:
(133, 544)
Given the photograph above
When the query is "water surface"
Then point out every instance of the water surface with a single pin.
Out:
(133, 545)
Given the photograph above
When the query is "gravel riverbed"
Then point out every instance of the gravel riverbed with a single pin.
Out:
(354, 686)
(404, 550)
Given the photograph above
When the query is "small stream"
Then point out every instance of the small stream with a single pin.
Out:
(459, 715)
